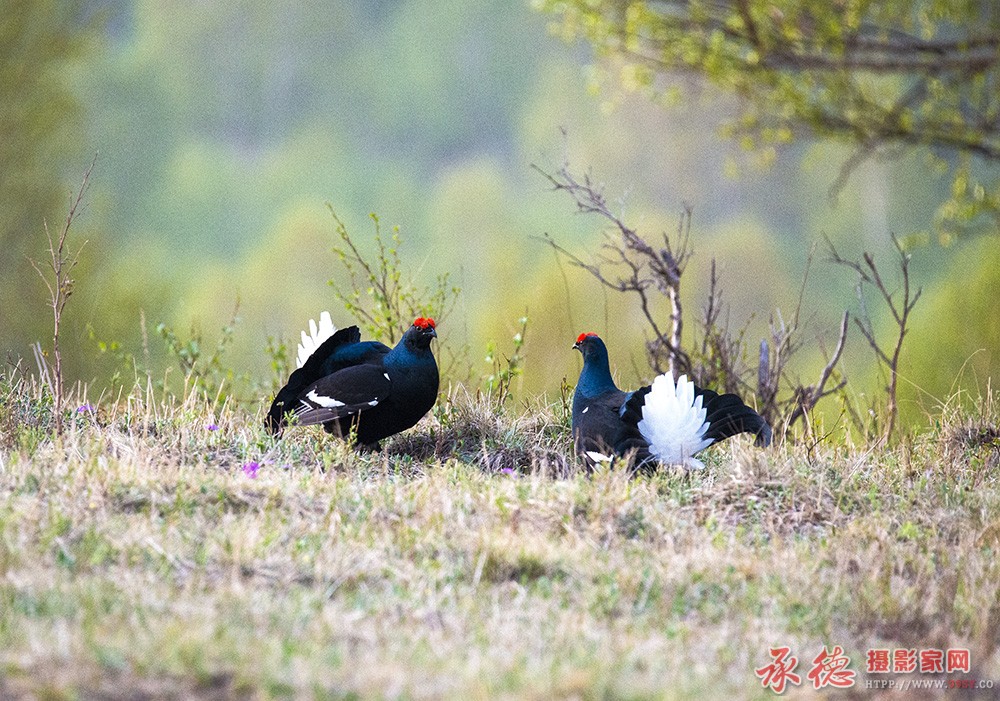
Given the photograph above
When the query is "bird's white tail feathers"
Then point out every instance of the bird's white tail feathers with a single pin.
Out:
(315, 338)
(673, 422)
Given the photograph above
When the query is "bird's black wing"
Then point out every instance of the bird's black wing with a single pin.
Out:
(596, 421)
(342, 350)
(347, 392)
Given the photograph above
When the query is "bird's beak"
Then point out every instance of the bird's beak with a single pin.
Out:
(576, 346)
(434, 333)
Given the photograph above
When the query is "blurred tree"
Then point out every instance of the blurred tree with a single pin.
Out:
(887, 77)
(38, 39)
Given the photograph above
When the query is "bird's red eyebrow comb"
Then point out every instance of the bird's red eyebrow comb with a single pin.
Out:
(579, 339)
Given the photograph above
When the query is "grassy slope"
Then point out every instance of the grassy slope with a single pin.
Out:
(138, 560)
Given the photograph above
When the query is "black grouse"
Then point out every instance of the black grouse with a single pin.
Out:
(665, 422)
(365, 387)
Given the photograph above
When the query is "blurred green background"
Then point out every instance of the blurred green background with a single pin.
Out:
(224, 128)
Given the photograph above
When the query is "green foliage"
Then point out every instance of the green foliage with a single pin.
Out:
(973, 197)
(378, 296)
(26, 411)
(38, 40)
(205, 373)
(126, 369)
(245, 132)
(885, 77)
(497, 383)
(280, 361)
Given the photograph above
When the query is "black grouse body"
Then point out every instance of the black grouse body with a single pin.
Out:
(665, 422)
(364, 389)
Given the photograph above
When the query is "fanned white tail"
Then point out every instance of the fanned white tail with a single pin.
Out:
(317, 334)
(673, 422)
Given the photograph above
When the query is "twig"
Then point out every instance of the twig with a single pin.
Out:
(60, 288)
(43, 366)
(868, 274)
(644, 267)
(808, 397)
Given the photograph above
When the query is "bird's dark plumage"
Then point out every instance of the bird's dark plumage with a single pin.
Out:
(662, 422)
(597, 399)
(349, 385)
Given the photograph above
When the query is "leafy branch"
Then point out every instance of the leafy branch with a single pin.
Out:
(498, 383)
(886, 78)
(207, 371)
(377, 295)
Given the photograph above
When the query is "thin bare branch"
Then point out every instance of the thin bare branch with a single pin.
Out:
(900, 309)
(810, 396)
(639, 266)
(59, 283)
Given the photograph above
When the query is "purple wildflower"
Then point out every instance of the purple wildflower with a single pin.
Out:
(84, 409)
(212, 427)
(250, 469)
(507, 471)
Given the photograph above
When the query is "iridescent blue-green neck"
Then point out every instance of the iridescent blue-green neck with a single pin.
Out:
(595, 378)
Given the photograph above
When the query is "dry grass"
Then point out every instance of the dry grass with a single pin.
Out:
(138, 560)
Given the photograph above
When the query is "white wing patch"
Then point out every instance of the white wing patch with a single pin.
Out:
(325, 402)
(315, 338)
(585, 410)
(600, 457)
(373, 402)
(673, 422)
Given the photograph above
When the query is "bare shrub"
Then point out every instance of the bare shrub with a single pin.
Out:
(630, 264)
(900, 308)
